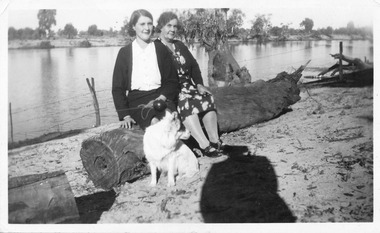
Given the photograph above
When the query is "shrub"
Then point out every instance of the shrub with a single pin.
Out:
(46, 45)
(85, 44)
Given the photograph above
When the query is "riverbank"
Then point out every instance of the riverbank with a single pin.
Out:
(121, 41)
(67, 43)
(311, 164)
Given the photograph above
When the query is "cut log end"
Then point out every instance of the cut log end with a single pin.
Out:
(114, 157)
(99, 162)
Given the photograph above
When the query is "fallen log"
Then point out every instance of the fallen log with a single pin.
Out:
(356, 78)
(357, 74)
(242, 106)
(41, 198)
(116, 156)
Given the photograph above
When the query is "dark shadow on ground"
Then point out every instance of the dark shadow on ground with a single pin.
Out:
(243, 189)
(283, 112)
(92, 206)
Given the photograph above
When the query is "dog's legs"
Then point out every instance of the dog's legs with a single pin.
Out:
(153, 171)
(171, 166)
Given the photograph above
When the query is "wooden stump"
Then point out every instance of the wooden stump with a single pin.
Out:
(114, 157)
(41, 198)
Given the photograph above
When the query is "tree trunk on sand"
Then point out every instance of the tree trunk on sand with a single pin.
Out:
(242, 106)
(117, 156)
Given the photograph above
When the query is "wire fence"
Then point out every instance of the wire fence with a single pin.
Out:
(58, 116)
(78, 111)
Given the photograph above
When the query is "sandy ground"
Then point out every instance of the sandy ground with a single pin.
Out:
(311, 164)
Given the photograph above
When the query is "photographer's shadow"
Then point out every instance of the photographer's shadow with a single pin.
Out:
(243, 189)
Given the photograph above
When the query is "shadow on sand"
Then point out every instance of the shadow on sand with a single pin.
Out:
(243, 189)
(92, 206)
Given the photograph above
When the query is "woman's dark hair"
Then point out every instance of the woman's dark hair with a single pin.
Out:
(164, 19)
(135, 17)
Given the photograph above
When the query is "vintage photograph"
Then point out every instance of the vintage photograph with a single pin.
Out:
(205, 116)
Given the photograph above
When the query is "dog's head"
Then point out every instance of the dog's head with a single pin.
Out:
(174, 125)
(172, 120)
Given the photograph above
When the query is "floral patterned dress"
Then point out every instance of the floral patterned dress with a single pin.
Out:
(190, 101)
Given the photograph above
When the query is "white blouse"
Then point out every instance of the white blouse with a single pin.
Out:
(145, 72)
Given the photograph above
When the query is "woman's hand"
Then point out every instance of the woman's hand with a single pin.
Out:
(203, 90)
(127, 122)
(150, 104)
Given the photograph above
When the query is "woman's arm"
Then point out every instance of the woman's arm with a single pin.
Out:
(169, 78)
(119, 84)
(192, 63)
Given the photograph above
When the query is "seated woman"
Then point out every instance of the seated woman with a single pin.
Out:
(144, 69)
(195, 100)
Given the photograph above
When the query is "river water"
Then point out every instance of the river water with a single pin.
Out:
(48, 92)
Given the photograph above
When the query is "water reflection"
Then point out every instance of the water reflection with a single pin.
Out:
(46, 64)
(259, 50)
(308, 44)
(348, 48)
(70, 52)
(281, 44)
(308, 52)
(50, 86)
(48, 78)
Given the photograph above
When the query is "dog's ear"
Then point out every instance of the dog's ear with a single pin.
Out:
(169, 115)
(175, 114)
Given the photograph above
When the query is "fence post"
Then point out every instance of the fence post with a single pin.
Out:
(340, 60)
(95, 100)
(10, 118)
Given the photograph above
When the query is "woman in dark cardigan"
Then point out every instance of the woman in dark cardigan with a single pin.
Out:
(195, 101)
(143, 73)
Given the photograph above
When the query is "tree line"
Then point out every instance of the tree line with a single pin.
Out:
(230, 20)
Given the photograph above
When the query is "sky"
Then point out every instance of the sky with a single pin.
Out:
(112, 13)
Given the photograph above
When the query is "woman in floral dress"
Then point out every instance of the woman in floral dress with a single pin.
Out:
(195, 101)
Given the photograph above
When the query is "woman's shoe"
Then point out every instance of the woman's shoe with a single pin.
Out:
(219, 146)
(210, 152)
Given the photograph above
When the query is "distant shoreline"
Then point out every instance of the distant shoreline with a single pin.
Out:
(122, 41)
(68, 43)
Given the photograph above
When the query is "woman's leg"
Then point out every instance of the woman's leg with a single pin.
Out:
(193, 124)
(210, 121)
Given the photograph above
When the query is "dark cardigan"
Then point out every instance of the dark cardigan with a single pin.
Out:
(191, 63)
(121, 81)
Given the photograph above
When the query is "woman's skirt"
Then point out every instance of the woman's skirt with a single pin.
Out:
(142, 115)
(191, 102)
